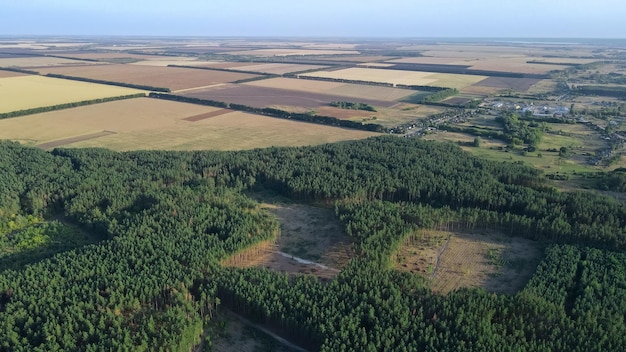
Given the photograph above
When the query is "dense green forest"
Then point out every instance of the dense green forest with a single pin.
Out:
(121, 251)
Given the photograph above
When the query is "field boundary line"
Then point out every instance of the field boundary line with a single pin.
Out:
(203, 87)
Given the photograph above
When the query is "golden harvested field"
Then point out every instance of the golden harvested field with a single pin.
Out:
(31, 91)
(402, 77)
(425, 60)
(109, 55)
(334, 88)
(518, 64)
(182, 61)
(174, 78)
(146, 123)
(330, 46)
(277, 68)
(450, 80)
(356, 59)
(452, 260)
(40, 61)
(287, 52)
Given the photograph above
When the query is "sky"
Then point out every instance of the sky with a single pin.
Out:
(319, 18)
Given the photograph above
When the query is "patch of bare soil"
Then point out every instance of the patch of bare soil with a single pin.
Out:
(312, 241)
(470, 259)
(207, 115)
(65, 141)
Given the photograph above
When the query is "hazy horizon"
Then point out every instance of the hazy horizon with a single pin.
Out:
(323, 18)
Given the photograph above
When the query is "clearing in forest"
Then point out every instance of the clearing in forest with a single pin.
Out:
(470, 259)
(232, 334)
(312, 241)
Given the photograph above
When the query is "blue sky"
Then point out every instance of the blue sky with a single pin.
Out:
(343, 18)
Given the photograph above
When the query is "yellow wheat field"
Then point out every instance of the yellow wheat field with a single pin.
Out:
(27, 92)
(401, 77)
(146, 123)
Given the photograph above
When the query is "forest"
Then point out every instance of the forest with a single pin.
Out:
(122, 251)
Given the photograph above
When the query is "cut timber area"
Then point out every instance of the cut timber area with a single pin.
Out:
(312, 242)
(452, 260)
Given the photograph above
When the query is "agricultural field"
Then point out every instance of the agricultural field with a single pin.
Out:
(334, 88)
(452, 260)
(501, 83)
(401, 77)
(31, 91)
(174, 78)
(356, 59)
(7, 74)
(41, 61)
(495, 58)
(146, 123)
(290, 52)
(271, 97)
(276, 68)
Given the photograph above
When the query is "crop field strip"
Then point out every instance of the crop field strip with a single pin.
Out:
(145, 123)
(65, 141)
(32, 91)
(278, 68)
(265, 97)
(41, 61)
(290, 52)
(401, 77)
(354, 91)
(207, 115)
(171, 77)
(7, 74)
(232, 131)
(518, 84)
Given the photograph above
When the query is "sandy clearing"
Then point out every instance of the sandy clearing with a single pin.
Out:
(471, 259)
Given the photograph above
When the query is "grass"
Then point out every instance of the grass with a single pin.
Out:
(27, 92)
(549, 162)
